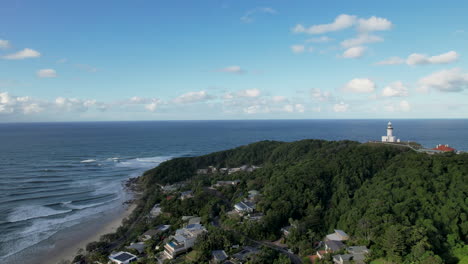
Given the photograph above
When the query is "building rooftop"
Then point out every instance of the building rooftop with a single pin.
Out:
(122, 256)
(334, 245)
(219, 255)
(444, 148)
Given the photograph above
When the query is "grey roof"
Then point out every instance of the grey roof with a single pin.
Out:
(358, 249)
(219, 255)
(334, 245)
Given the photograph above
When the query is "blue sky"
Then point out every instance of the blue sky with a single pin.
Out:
(184, 60)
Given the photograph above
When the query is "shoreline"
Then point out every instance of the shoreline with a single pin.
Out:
(66, 253)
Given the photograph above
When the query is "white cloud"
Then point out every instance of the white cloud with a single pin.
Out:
(291, 108)
(361, 39)
(320, 95)
(374, 24)
(249, 93)
(391, 61)
(76, 105)
(232, 69)
(418, 59)
(23, 54)
(453, 80)
(46, 73)
(423, 59)
(192, 97)
(322, 39)
(4, 44)
(341, 22)
(341, 107)
(360, 85)
(13, 104)
(354, 52)
(153, 106)
(298, 48)
(395, 89)
(248, 17)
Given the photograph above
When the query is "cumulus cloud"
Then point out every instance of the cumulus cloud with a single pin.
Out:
(318, 94)
(232, 69)
(248, 93)
(417, 59)
(153, 106)
(46, 73)
(360, 85)
(23, 54)
(344, 21)
(340, 107)
(248, 17)
(193, 97)
(298, 48)
(341, 22)
(374, 24)
(13, 104)
(74, 104)
(360, 40)
(423, 59)
(395, 89)
(354, 52)
(453, 80)
(4, 44)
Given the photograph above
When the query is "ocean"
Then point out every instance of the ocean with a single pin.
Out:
(55, 176)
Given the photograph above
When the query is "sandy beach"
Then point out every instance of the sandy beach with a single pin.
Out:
(67, 250)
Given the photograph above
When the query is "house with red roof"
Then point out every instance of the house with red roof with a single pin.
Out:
(444, 148)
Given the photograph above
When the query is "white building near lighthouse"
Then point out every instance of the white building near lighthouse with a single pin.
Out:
(390, 137)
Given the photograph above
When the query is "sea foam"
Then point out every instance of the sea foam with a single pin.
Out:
(28, 212)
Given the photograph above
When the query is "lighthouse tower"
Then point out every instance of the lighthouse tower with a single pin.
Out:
(389, 137)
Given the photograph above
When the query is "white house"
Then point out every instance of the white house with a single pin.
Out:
(122, 258)
(183, 240)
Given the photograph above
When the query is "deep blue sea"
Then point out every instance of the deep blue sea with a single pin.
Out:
(54, 176)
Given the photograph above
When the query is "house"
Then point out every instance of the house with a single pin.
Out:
(155, 211)
(233, 170)
(122, 258)
(139, 246)
(444, 148)
(226, 183)
(202, 171)
(186, 195)
(218, 256)
(333, 246)
(154, 232)
(339, 235)
(244, 207)
(255, 216)
(183, 240)
(359, 253)
(342, 259)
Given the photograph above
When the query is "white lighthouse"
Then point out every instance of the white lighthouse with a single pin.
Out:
(390, 137)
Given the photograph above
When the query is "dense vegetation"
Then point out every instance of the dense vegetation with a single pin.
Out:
(407, 206)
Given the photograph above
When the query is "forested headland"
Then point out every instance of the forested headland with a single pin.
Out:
(406, 207)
